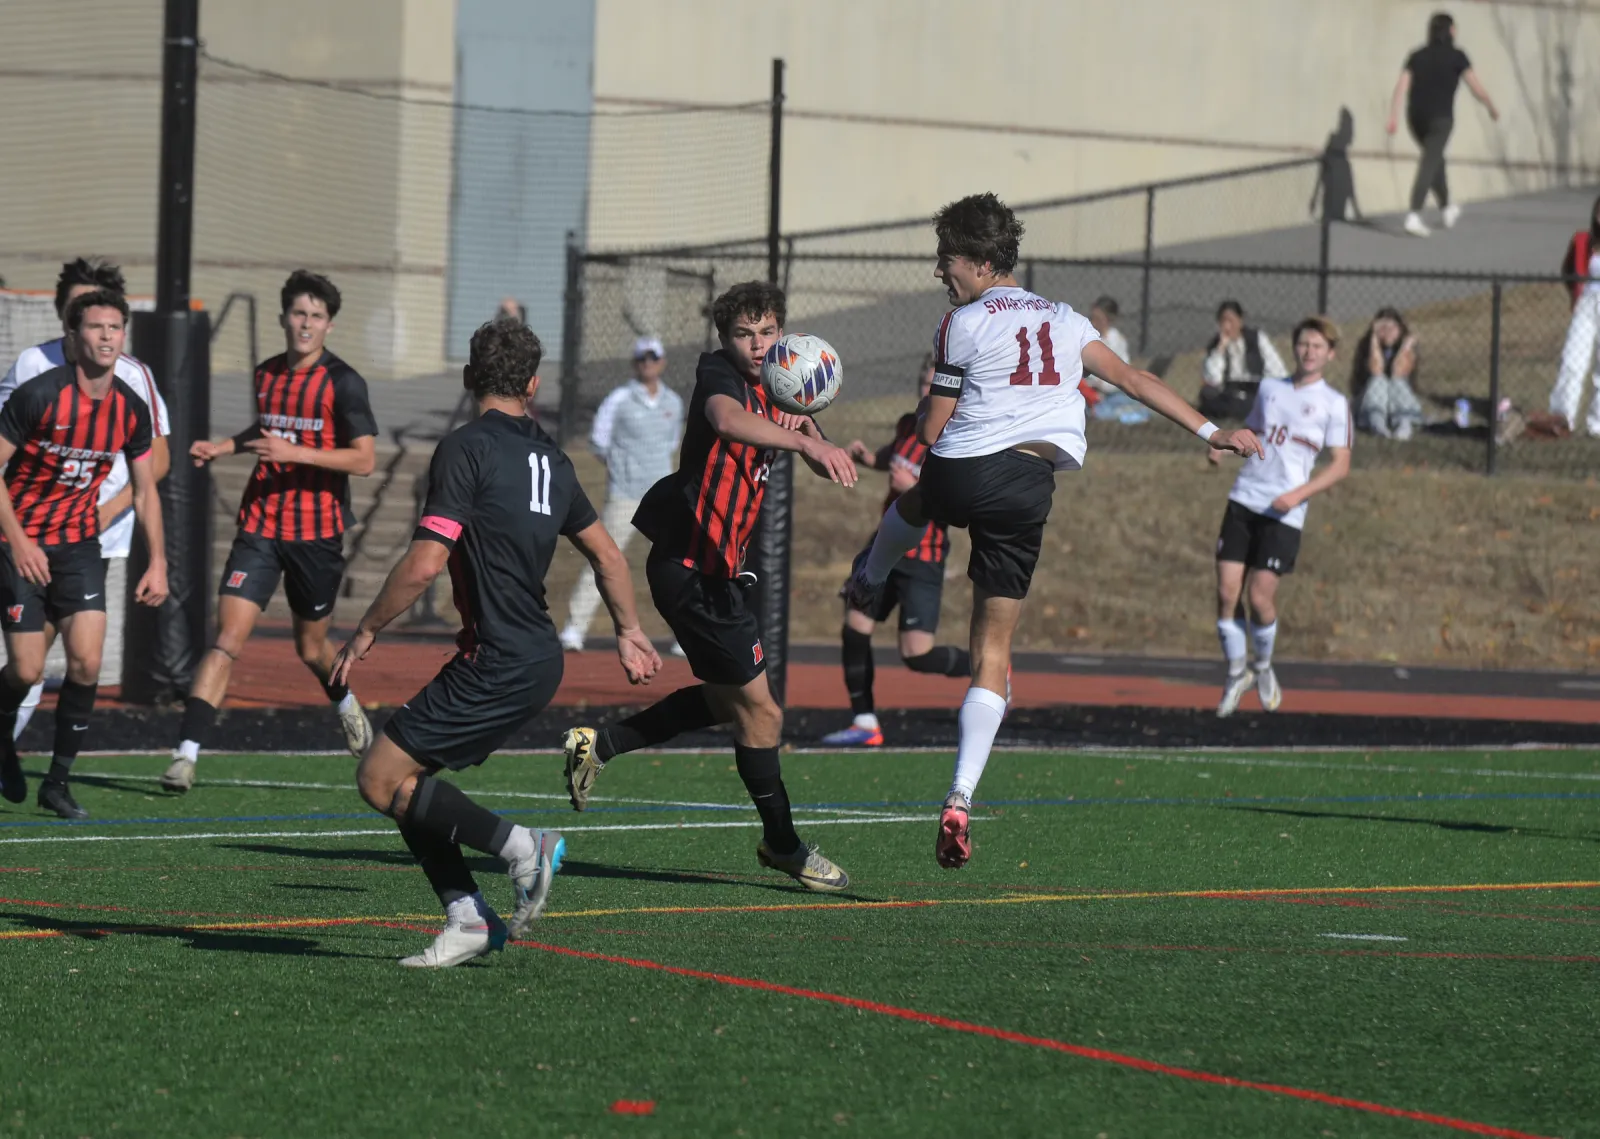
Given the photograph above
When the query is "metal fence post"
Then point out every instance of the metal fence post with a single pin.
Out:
(571, 340)
(1027, 275)
(1322, 263)
(1494, 376)
(1149, 254)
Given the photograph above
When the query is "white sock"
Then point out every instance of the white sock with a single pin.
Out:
(896, 537)
(471, 910)
(349, 703)
(189, 750)
(867, 721)
(981, 713)
(1234, 644)
(519, 844)
(1262, 636)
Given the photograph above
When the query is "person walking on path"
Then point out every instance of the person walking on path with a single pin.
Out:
(1427, 86)
(1581, 269)
(636, 431)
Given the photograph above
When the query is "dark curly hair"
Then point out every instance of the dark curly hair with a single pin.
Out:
(752, 299)
(100, 298)
(982, 229)
(93, 271)
(305, 283)
(505, 355)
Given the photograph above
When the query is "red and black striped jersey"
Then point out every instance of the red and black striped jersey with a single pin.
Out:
(704, 512)
(325, 407)
(66, 444)
(908, 452)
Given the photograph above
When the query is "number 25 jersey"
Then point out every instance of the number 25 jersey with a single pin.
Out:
(500, 494)
(1294, 424)
(1015, 360)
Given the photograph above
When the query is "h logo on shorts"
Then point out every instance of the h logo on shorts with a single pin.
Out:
(14, 615)
(236, 579)
(755, 650)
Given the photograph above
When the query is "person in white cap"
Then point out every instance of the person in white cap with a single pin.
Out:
(636, 432)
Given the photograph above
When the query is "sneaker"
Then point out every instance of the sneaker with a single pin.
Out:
(854, 737)
(356, 727)
(582, 767)
(1414, 225)
(806, 866)
(13, 784)
(1450, 215)
(1233, 692)
(572, 639)
(954, 845)
(1267, 688)
(56, 797)
(530, 878)
(459, 943)
(179, 775)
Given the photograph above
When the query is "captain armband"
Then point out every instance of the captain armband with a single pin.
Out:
(948, 380)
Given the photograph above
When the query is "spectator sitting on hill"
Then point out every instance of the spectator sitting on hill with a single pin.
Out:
(1237, 360)
(1107, 401)
(1583, 333)
(1382, 375)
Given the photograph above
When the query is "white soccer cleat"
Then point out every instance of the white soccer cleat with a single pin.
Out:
(1415, 226)
(356, 727)
(179, 775)
(1450, 215)
(1267, 688)
(1232, 692)
(531, 876)
(459, 943)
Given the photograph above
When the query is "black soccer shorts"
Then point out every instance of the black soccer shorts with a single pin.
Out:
(716, 630)
(1002, 500)
(1257, 541)
(470, 709)
(77, 585)
(311, 571)
(917, 589)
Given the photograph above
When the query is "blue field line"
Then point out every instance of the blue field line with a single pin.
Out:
(1222, 801)
(552, 810)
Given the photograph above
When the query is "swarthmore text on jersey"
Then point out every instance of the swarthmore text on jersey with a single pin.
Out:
(1007, 304)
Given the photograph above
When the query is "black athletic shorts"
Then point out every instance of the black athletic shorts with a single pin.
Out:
(708, 615)
(471, 708)
(917, 588)
(311, 571)
(77, 585)
(1002, 501)
(1257, 541)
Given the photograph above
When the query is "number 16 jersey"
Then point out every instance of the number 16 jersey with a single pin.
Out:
(1294, 424)
(1014, 360)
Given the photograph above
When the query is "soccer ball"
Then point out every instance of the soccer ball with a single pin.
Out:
(802, 373)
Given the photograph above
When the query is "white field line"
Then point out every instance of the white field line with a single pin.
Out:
(751, 824)
(1324, 765)
(1365, 937)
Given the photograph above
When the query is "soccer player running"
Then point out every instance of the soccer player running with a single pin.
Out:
(59, 435)
(915, 585)
(1005, 414)
(1296, 420)
(78, 277)
(500, 493)
(698, 521)
(314, 429)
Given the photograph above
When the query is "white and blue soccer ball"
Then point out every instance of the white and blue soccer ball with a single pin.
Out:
(802, 373)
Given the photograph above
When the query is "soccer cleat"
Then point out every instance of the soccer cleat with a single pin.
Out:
(1450, 215)
(1267, 688)
(1232, 692)
(859, 593)
(854, 737)
(458, 943)
(179, 775)
(806, 866)
(13, 784)
(530, 878)
(56, 797)
(356, 727)
(954, 845)
(582, 767)
(1415, 226)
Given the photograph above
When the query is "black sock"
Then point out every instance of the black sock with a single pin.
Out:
(858, 670)
(443, 809)
(73, 707)
(198, 719)
(442, 862)
(685, 710)
(762, 775)
(942, 660)
(11, 697)
(335, 692)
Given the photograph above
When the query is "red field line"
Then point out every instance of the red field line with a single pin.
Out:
(1098, 1054)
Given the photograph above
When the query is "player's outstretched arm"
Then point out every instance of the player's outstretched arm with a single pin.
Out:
(734, 423)
(638, 656)
(152, 589)
(1149, 390)
(1336, 469)
(423, 561)
(26, 555)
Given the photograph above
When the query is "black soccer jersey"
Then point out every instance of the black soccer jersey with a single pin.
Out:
(500, 492)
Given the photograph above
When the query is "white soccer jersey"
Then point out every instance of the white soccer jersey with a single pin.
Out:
(116, 539)
(1294, 425)
(1015, 360)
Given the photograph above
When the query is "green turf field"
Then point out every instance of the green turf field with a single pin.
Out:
(1144, 945)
